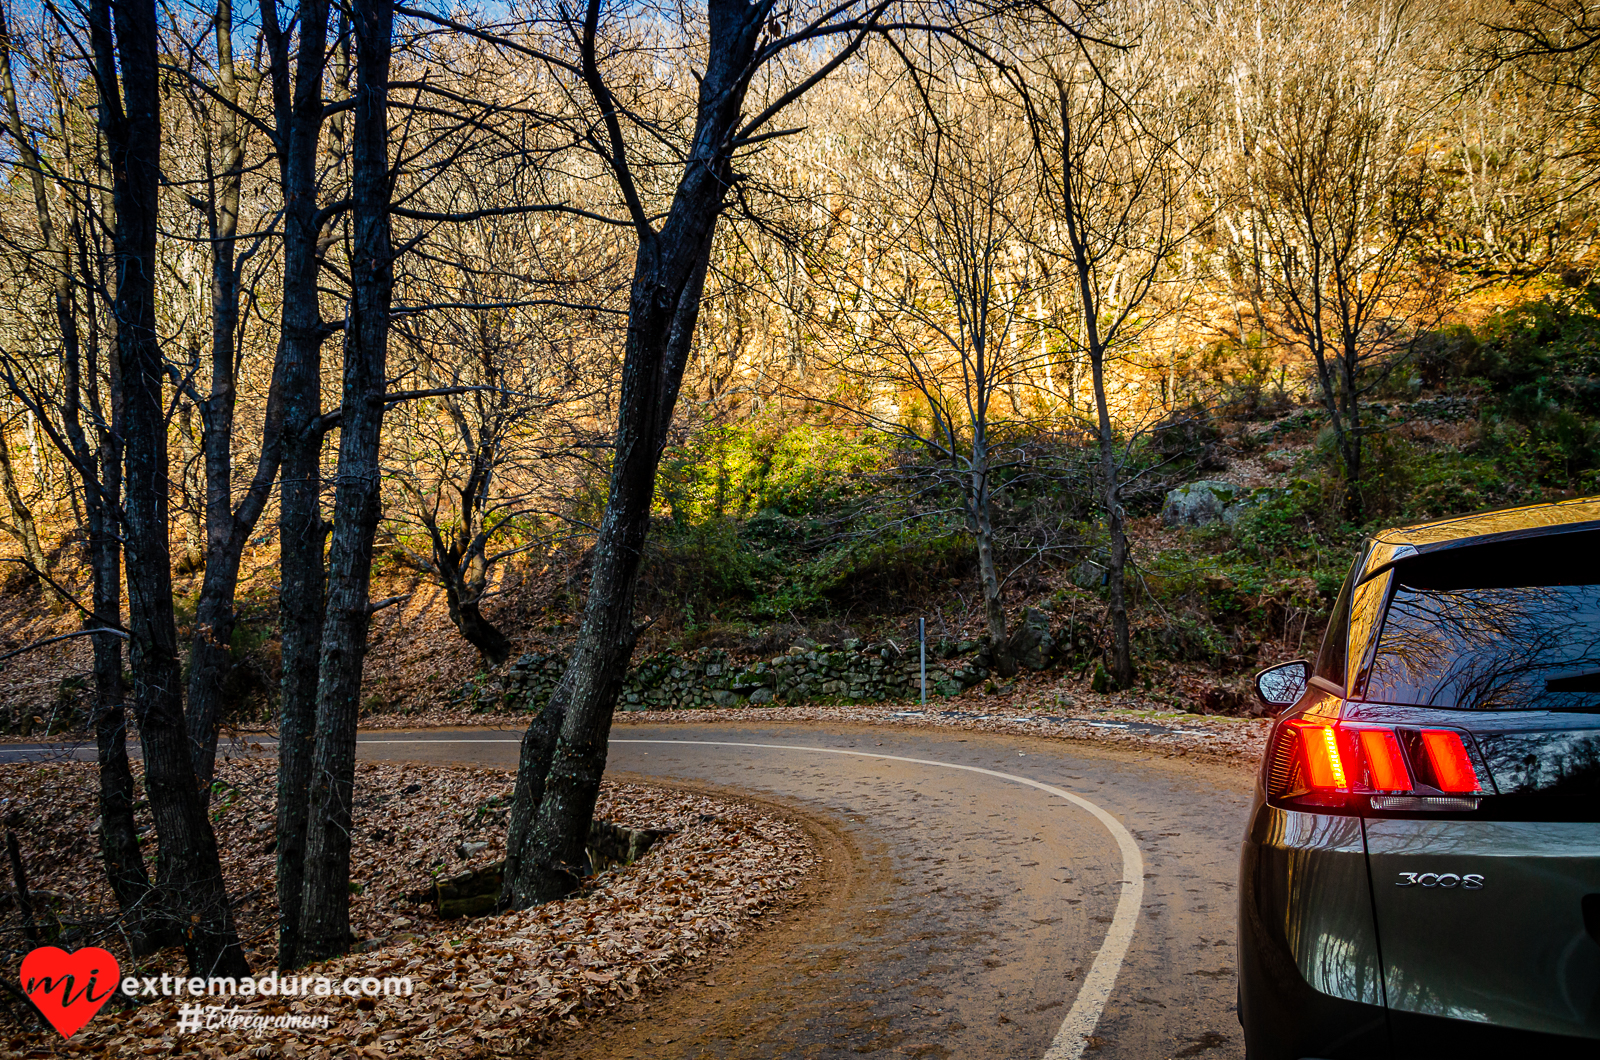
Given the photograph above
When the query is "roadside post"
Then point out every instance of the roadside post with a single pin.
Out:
(922, 657)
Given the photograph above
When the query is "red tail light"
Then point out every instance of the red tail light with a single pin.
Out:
(1386, 763)
(1320, 757)
(1452, 766)
(1321, 761)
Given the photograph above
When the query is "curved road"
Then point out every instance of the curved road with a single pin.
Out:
(961, 909)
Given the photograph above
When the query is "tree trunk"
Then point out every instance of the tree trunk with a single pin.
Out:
(464, 600)
(538, 748)
(149, 926)
(22, 526)
(994, 610)
(298, 109)
(1116, 569)
(1111, 488)
(1350, 434)
(325, 907)
(100, 474)
(133, 136)
(662, 315)
(546, 844)
(226, 529)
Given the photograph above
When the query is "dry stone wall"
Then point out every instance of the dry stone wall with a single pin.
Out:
(853, 671)
(850, 672)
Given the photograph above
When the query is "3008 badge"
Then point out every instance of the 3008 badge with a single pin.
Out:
(1472, 881)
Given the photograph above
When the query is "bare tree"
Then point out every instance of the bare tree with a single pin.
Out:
(1341, 195)
(299, 114)
(1114, 126)
(524, 336)
(469, 469)
(325, 911)
(72, 388)
(950, 205)
(738, 45)
(126, 73)
(224, 115)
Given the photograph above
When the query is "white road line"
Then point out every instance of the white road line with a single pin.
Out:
(1084, 1015)
(1073, 1037)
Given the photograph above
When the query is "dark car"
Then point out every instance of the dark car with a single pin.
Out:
(1421, 874)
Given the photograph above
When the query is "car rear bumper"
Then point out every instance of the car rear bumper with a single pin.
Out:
(1415, 1035)
(1310, 981)
(1310, 969)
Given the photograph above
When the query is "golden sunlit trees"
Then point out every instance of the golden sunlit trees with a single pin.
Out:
(1331, 147)
(1118, 131)
(939, 332)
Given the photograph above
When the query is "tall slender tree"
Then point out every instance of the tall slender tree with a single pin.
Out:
(1116, 130)
(228, 521)
(564, 750)
(949, 189)
(325, 915)
(97, 465)
(127, 80)
(299, 115)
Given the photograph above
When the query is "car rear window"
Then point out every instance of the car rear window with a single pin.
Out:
(1493, 629)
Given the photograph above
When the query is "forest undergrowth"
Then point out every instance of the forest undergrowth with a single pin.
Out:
(779, 531)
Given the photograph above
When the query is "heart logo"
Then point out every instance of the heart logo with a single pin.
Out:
(69, 988)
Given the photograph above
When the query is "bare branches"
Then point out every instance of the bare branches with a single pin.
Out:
(64, 636)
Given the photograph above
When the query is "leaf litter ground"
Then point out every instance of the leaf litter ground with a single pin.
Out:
(482, 986)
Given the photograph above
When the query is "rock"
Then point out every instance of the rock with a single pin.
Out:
(760, 695)
(612, 844)
(469, 894)
(1032, 645)
(1198, 503)
(476, 893)
(1219, 699)
(723, 698)
(1089, 575)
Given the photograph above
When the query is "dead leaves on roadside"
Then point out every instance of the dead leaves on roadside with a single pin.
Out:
(482, 987)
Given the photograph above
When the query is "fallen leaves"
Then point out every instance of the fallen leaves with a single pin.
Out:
(481, 987)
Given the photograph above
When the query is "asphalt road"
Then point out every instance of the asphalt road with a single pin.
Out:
(973, 902)
(960, 910)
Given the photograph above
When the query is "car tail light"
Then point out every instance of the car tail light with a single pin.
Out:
(1324, 764)
(1452, 766)
(1320, 761)
(1386, 763)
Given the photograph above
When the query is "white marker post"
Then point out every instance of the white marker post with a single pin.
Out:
(922, 655)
